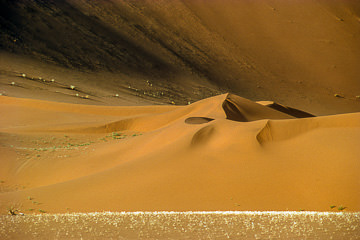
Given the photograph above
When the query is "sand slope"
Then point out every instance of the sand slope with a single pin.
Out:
(221, 153)
(296, 53)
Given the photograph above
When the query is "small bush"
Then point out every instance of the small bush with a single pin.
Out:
(341, 208)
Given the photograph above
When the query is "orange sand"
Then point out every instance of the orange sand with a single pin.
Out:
(220, 153)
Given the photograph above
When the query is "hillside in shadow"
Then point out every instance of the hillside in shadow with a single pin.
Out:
(298, 53)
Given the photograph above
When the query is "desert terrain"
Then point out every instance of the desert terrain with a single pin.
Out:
(183, 105)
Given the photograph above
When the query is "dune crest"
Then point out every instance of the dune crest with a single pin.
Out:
(243, 110)
(278, 131)
(220, 153)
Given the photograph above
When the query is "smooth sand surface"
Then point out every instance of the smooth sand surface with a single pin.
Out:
(220, 153)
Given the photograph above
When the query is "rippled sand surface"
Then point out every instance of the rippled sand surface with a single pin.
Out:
(183, 225)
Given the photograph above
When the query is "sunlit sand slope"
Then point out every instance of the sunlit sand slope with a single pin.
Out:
(221, 153)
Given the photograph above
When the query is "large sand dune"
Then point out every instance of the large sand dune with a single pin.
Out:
(220, 153)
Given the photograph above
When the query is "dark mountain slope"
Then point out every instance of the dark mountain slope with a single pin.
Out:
(57, 32)
(297, 53)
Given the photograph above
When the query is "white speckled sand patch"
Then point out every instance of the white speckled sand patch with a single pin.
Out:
(183, 225)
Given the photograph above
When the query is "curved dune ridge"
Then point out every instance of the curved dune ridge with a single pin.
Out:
(220, 153)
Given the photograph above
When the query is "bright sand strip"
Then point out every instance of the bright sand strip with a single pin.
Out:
(183, 225)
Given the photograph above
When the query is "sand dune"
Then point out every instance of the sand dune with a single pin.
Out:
(220, 153)
(120, 106)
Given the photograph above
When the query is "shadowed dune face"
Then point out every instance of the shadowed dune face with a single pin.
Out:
(297, 53)
(198, 120)
(239, 109)
(203, 156)
(203, 135)
(288, 110)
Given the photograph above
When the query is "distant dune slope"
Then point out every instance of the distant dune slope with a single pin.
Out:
(220, 153)
(299, 53)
